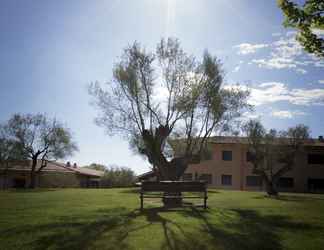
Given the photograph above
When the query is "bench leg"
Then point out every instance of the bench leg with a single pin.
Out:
(141, 201)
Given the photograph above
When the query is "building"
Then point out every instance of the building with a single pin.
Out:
(230, 168)
(54, 175)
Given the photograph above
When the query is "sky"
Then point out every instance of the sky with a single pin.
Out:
(51, 50)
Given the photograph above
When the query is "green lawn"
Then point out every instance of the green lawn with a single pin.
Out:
(110, 219)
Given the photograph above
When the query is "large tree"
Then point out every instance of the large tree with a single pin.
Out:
(40, 138)
(273, 153)
(306, 19)
(167, 97)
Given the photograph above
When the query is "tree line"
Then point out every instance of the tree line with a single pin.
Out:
(115, 176)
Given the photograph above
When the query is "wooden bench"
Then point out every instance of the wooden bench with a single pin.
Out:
(173, 190)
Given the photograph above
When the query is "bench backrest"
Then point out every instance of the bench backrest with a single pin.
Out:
(173, 186)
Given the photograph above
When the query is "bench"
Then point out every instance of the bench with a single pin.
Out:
(173, 190)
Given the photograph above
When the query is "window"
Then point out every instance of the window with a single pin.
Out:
(206, 177)
(249, 156)
(253, 181)
(226, 180)
(227, 155)
(315, 185)
(187, 177)
(315, 158)
(286, 182)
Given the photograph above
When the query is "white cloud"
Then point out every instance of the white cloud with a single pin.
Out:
(249, 115)
(286, 114)
(237, 68)
(285, 53)
(276, 34)
(321, 81)
(318, 32)
(272, 92)
(248, 48)
(301, 71)
(275, 63)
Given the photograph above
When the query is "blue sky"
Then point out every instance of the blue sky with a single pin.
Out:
(51, 50)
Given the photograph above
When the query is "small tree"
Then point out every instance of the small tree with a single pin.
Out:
(40, 138)
(306, 18)
(167, 96)
(9, 151)
(273, 153)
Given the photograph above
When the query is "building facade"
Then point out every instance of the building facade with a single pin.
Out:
(230, 167)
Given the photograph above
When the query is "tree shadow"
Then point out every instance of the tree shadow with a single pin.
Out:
(29, 190)
(250, 230)
(75, 232)
(294, 198)
(298, 198)
(213, 191)
(110, 228)
(134, 190)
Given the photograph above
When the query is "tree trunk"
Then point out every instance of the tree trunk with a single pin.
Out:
(271, 188)
(174, 199)
(33, 173)
(174, 169)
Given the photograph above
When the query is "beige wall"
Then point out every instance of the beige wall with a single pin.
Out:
(239, 168)
(46, 179)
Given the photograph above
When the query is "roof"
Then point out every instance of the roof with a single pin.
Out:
(56, 167)
(146, 175)
(244, 140)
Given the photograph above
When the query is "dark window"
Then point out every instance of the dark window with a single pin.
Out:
(187, 177)
(315, 158)
(286, 182)
(253, 181)
(226, 180)
(315, 185)
(227, 155)
(19, 183)
(206, 177)
(249, 156)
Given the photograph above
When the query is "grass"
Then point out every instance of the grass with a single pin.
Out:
(110, 219)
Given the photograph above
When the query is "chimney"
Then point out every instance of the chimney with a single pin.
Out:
(75, 165)
(320, 138)
(68, 164)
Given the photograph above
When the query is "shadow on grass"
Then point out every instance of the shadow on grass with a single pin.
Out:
(30, 190)
(134, 190)
(110, 228)
(213, 191)
(295, 198)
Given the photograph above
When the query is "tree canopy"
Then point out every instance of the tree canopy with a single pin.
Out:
(156, 98)
(306, 19)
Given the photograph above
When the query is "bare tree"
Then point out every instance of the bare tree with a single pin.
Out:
(273, 153)
(40, 138)
(162, 98)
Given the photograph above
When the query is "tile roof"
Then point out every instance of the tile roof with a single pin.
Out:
(56, 167)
